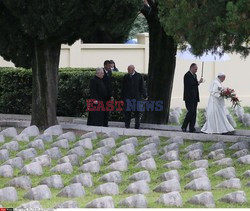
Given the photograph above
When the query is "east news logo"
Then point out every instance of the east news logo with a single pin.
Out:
(130, 105)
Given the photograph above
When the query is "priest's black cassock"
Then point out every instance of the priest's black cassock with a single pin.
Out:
(98, 91)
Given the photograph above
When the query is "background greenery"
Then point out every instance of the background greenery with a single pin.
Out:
(140, 25)
(16, 91)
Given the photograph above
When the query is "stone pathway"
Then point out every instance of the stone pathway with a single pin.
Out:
(70, 123)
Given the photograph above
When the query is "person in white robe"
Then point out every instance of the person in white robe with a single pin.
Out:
(217, 121)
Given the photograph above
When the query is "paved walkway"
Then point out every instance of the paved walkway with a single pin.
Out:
(21, 121)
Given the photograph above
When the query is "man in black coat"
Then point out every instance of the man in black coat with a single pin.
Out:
(107, 79)
(99, 94)
(191, 97)
(133, 88)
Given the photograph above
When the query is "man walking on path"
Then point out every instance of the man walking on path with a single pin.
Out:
(191, 97)
(133, 88)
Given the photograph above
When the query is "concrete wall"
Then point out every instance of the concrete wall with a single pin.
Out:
(93, 55)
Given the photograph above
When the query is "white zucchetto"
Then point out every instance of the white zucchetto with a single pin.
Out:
(221, 74)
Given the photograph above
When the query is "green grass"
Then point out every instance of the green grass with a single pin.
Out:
(247, 109)
(182, 116)
(151, 197)
(201, 117)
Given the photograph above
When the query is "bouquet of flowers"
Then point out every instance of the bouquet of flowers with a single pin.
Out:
(228, 93)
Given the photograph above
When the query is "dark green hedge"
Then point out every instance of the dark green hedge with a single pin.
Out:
(16, 91)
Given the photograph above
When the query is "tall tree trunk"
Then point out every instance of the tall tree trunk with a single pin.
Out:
(45, 83)
(162, 61)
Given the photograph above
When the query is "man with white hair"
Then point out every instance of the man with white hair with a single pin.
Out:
(133, 89)
(98, 94)
(217, 121)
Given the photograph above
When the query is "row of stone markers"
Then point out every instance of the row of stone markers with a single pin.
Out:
(174, 115)
(242, 116)
(32, 157)
(200, 178)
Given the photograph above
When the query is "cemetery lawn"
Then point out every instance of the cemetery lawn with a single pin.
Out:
(152, 196)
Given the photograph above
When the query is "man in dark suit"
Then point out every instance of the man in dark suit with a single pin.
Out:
(107, 79)
(133, 88)
(191, 97)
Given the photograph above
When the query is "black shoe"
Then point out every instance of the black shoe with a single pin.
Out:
(192, 131)
(228, 133)
(184, 129)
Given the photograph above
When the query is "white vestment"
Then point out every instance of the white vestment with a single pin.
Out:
(217, 121)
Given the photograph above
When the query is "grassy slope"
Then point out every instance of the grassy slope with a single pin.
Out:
(152, 197)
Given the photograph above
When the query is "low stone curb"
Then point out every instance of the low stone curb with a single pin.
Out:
(157, 130)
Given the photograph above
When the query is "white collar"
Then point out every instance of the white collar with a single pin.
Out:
(191, 72)
(132, 74)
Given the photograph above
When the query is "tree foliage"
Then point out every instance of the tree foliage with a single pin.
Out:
(25, 21)
(110, 20)
(32, 31)
(140, 25)
(208, 24)
(60, 21)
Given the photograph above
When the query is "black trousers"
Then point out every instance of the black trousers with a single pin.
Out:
(128, 119)
(128, 115)
(190, 118)
(106, 118)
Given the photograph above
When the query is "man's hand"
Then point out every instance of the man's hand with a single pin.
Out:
(200, 81)
(146, 98)
(95, 102)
